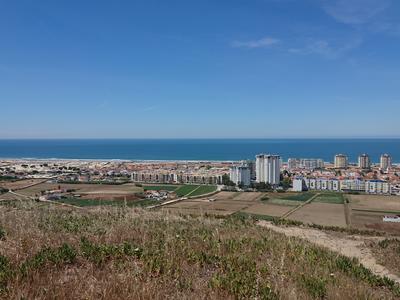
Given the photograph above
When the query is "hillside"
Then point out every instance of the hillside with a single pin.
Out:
(115, 253)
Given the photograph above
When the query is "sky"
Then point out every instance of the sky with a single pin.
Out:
(199, 68)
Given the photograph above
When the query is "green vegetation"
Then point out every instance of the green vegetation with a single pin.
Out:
(135, 254)
(3, 190)
(8, 178)
(336, 198)
(186, 190)
(165, 187)
(204, 189)
(300, 197)
(2, 234)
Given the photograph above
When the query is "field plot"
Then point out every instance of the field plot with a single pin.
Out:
(107, 189)
(223, 203)
(267, 209)
(15, 185)
(334, 198)
(98, 202)
(203, 189)
(372, 220)
(321, 213)
(251, 197)
(375, 202)
(283, 202)
(298, 197)
(162, 187)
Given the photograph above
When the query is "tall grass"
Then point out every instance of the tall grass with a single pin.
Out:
(124, 253)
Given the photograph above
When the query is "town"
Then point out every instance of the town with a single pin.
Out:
(265, 173)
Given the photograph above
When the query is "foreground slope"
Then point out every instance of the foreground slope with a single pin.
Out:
(51, 252)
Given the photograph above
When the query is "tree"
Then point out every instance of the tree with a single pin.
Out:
(227, 181)
(286, 183)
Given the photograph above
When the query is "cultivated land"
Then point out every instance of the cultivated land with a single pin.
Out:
(49, 252)
(325, 214)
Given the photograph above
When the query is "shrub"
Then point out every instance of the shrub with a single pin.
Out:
(315, 286)
(65, 254)
(5, 273)
(2, 234)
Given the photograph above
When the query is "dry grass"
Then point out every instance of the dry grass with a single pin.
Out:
(387, 253)
(111, 253)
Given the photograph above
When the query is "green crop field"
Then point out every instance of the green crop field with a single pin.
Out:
(204, 189)
(300, 197)
(185, 190)
(335, 198)
(166, 187)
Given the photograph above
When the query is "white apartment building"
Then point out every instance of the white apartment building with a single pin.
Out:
(377, 187)
(341, 161)
(268, 168)
(386, 162)
(305, 163)
(240, 175)
(364, 162)
(347, 185)
(156, 177)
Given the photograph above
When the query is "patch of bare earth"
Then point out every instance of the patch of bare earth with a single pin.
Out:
(351, 246)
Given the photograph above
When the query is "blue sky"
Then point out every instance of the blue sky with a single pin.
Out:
(199, 68)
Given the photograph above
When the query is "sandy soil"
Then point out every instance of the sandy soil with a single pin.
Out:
(372, 202)
(268, 209)
(350, 246)
(371, 220)
(83, 188)
(20, 183)
(321, 213)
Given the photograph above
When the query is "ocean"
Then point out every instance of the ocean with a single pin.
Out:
(196, 149)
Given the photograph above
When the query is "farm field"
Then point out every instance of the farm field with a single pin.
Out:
(97, 202)
(274, 210)
(375, 202)
(334, 198)
(15, 185)
(373, 221)
(297, 197)
(108, 189)
(185, 190)
(162, 187)
(203, 189)
(321, 213)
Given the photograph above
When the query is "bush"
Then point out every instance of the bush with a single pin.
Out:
(2, 234)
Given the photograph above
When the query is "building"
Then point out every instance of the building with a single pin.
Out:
(305, 163)
(341, 161)
(364, 162)
(175, 178)
(299, 184)
(268, 168)
(386, 162)
(252, 165)
(322, 184)
(240, 175)
(352, 185)
(378, 187)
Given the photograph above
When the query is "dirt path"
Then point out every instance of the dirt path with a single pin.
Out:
(351, 246)
(300, 206)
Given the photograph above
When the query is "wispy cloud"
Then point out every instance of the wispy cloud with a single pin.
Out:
(261, 43)
(327, 49)
(354, 11)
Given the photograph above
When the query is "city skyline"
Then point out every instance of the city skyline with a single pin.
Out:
(226, 69)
